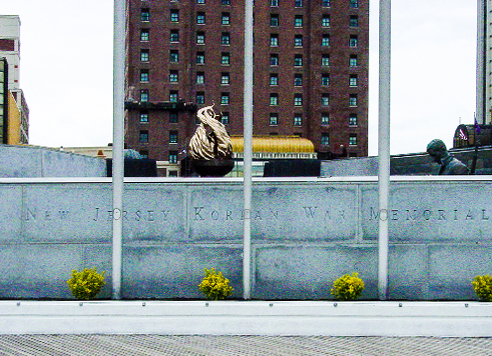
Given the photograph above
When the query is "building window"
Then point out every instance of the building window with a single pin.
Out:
(274, 59)
(325, 118)
(325, 99)
(353, 60)
(226, 19)
(225, 39)
(144, 55)
(225, 79)
(354, 4)
(274, 79)
(174, 56)
(298, 3)
(144, 35)
(274, 21)
(143, 137)
(273, 119)
(173, 118)
(297, 99)
(298, 80)
(200, 38)
(353, 139)
(298, 21)
(326, 3)
(353, 120)
(225, 118)
(353, 80)
(325, 40)
(174, 16)
(173, 76)
(273, 40)
(173, 96)
(200, 18)
(224, 98)
(144, 117)
(200, 58)
(325, 139)
(325, 79)
(173, 157)
(353, 41)
(144, 95)
(298, 60)
(226, 58)
(325, 21)
(353, 100)
(273, 99)
(297, 120)
(144, 153)
(325, 60)
(274, 3)
(200, 98)
(145, 15)
(200, 77)
(173, 136)
(174, 36)
(298, 40)
(354, 21)
(144, 75)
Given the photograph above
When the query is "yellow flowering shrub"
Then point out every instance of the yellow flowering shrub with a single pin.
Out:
(483, 287)
(86, 284)
(215, 286)
(348, 287)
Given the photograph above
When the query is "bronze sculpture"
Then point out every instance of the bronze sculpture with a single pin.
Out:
(210, 148)
(450, 165)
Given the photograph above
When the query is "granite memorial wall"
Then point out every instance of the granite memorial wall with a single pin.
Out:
(305, 234)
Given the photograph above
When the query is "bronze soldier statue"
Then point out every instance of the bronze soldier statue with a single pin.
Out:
(450, 165)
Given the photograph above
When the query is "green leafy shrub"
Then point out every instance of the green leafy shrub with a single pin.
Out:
(86, 284)
(348, 287)
(215, 286)
(483, 287)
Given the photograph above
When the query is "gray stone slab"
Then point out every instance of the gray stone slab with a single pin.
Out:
(452, 269)
(305, 272)
(38, 271)
(11, 198)
(154, 213)
(172, 271)
(66, 213)
(437, 211)
(305, 212)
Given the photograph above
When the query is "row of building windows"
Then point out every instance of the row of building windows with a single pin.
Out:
(225, 39)
(226, 80)
(225, 19)
(173, 139)
(225, 98)
(354, 4)
(226, 58)
(274, 118)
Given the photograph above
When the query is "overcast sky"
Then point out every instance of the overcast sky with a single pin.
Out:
(66, 70)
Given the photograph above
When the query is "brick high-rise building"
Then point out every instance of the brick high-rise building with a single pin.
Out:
(310, 71)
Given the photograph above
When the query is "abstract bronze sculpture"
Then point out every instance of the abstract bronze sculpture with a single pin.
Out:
(210, 148)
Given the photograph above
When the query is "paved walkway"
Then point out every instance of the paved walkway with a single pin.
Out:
(153, 345)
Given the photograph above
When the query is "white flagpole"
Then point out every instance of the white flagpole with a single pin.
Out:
(248, 144)
(118, 138)
(384, 142)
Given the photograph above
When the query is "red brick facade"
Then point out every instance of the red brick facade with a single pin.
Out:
(310, 63)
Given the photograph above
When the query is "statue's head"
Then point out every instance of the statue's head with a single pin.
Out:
(437, 150)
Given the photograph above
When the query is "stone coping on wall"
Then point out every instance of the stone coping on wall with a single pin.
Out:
(329, 318)
(58, 180)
